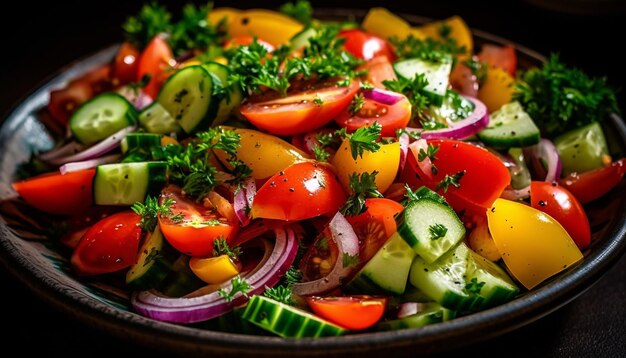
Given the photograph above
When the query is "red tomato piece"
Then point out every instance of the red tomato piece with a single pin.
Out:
(193, 234)
(351, 312)
(302, 191)
(247, 41)
(108, 246)
(464, 81)
(594, 184)
(157, 60)
(366, 46)
(562, 206)
(374, 226)
(503, 57)
(298, 112)
(379, 69)
(126, 63)
(58, 194)
(390, 117)
(320, 258)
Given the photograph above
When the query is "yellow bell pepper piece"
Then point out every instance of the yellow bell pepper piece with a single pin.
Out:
(382, 22)
(216, 15)
(265, 154)
(386, 161)
(533, 245)
(458, 31)
(497, 90)
(167, 140)
(213, 270)
(270, 26)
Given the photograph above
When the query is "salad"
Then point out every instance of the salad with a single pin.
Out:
(266, 172)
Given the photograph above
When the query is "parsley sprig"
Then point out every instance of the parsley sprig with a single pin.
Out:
(238, 285)
(150, 210)
(413, 89)
(429, 49)
(364, 139)
(362, 186)
(437, 231)
(300, 10)
(450, 180)
(430, 153)
(220, 247)
(284, 291)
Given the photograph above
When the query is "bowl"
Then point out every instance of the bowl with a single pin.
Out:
(42, 265)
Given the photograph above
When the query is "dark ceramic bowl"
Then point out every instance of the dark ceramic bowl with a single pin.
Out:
(42, 265)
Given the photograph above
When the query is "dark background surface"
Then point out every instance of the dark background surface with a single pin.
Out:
(38, 39)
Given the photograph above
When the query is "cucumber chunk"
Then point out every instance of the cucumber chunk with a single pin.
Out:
(128, 183)
(510, 126)
(582, 149)
(436, 73)
(432, 313)
(224, 98)
(153, 264)
(156, 119)
(101, 117)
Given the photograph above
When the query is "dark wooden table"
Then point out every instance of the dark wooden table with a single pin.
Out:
(38, 39)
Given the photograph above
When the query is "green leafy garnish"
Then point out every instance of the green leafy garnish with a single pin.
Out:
(478, 69)
(559, 98)
(150, 210)
(350, 260)
(284, 292)
(220, 247)
(363, 186)
(364, 139)
(429, 49)
(300, 10)
(152, 20)
(429, 153)
(413, 90)
(320, 154)
(437, 231)
(238, 285)
(474, 286)
(450, 180)
(357, 103)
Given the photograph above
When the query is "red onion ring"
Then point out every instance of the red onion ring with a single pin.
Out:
(426, 164)
(404, 150)
(348, 244)
(97, 150)
(136, 96)
(70, 148)
(512, 194)
(382, 96)
(243, 201)
(409, 309)
(88, 164)
(476, 121)
(205, 307)
(545, 153)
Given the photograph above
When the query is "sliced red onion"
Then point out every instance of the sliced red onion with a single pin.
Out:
(88, 164)
(347, 244)
(512, 194)
(70, 148)
(136, 96)
(426, 165)
(205, 307)
(310, 142)
(382, 96)
(404, 150)
(544, 159)
(243, 201)
(97, 150)
(409, 309)
(476, 121)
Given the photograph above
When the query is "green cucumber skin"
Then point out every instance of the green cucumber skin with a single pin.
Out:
(222, 106)
(157, 178)
(140, 141)
(287, 321)
(157, 172)
(149, 120)
(517, 129)
(157, 269)
(433, 313)
(435, 98)
(129, 118)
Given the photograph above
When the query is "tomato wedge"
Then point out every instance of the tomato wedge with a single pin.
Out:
(199, 225)
(108, 246)
(390, 117)
(156, 61)
(559, 203)
(58, 194)
(594, 184)
(302, 191)
(352, 312)
(308, 106)
(366, 46)
(374, 226)
(379, 69)
(126, 63)
(503, 57)
(319, 259)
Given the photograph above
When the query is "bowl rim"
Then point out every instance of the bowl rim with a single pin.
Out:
(455, 333)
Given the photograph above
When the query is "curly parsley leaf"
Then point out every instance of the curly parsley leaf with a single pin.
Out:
(474, 286)
(284, 292)
(357, 103)
(220, 247)
(560, 98)
(363, 186)
(193, 30)
(365, 139)
(151, 20)
(450, 180)
(238, 284)
(427, 49)
(414, 90)
(301, 10)
(437, 231)
(150, 210)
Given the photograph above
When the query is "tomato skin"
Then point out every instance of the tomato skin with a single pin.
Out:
(379, 69)
(297, 113)
(156, 60)
(191, 236)
(366, 46)
(108, 246)
(559, 203)
(594, 184)
(374, 226)
(390, 117)
(463, 80)
(483, 182)
(302, 191)
(126, 63)
(503, 57)
(58, 194)
(352, 312)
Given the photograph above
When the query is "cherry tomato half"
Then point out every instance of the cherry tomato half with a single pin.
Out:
(108, 246)
(126, 63)
(366, 46)
(351, 312)
(59, 194)
(390, 117)
(503, 57)
(157, 60)
(302, 191)
(199, 225)
(563, 207)
(379, 69)
(308, 106)
(593, 184)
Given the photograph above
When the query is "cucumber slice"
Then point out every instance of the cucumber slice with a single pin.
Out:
(498, 287)
(301, 39)
(156, 119)
(510, 126)
(287, 321)
(432, 313)
(101, 117)
(437, 74)
(453, 109)
(225, 98)
(582, 149)
(387, 271)
(444, 279)
(187, 97)
(140, 141)
(128, 183)
(520, 175)
(153, 264)
(430, 226)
